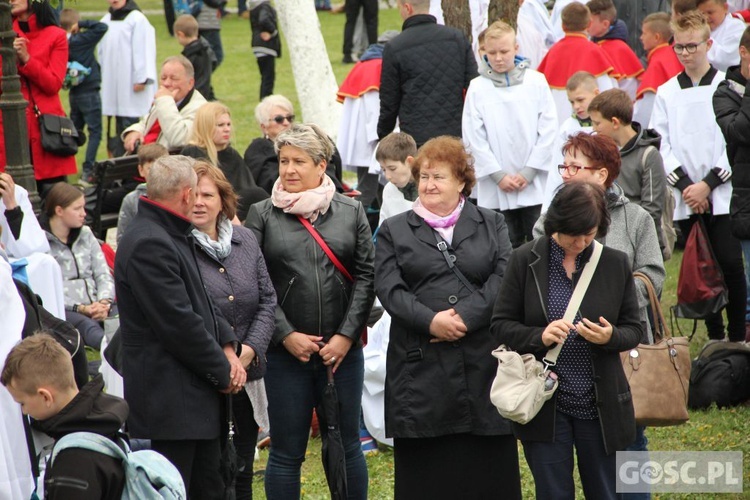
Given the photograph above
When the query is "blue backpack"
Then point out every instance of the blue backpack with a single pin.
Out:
(148, 475)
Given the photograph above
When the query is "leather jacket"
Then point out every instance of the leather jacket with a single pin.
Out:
(314, 297)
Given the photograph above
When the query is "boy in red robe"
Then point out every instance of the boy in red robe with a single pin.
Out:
(611, 34)
(662, 64)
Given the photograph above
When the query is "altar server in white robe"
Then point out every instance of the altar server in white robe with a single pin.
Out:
(531, 44)
(726, 31)
(127, 55)
(23, 238)
(509, 126)
(536, 11)
(16, 480)
(696, 163)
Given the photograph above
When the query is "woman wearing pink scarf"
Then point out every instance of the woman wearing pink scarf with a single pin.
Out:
(439, 268)
(317, 302)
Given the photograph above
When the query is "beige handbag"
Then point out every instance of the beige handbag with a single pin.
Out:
(522, 384)
(658, 374)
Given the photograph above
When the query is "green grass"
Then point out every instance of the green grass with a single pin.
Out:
(237, 85)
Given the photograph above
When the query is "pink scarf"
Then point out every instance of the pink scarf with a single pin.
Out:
(309, 204)
(443, 225)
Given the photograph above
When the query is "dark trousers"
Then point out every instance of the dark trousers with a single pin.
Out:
(728, 253)
(371, 22)
(86, 110)
(551, 463)
(461, 466)
(369, 185)
(245, 439)
(213, 37)
(294, 389)
(44, 185)
(91, 330)
(267, 67)
(198, 463)
(520, 223)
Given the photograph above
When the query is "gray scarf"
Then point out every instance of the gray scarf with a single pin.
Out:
(220, 249)
(508, 79)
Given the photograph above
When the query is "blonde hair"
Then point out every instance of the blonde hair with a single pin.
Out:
(499, 29)
(581, 79)
(309, 138)
(691, 21)
(204, 126)
(38, 361)
(658, 22)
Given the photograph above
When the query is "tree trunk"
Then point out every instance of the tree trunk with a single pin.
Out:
(313, 75)
(457, 14)
(505, 10)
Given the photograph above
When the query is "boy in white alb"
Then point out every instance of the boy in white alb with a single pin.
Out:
(509, 126)
(581, 89)
(696, 164)
(726, 31)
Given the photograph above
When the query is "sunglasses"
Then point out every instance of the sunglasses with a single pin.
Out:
(280, 119)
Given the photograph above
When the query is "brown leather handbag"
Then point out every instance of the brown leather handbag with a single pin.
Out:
(658, 373)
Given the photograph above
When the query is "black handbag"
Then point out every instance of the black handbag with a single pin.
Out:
(59, 134)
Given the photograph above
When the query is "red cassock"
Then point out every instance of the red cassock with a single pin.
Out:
(364, 77)
(627, 64)
(574, 52)
(662, 65)
(43, 74)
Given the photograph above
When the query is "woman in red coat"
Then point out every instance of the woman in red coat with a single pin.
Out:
(42, 51)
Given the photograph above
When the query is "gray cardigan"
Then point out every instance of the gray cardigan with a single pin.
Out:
(240, 287)
(631, 231)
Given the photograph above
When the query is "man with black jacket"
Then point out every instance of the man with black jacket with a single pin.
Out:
(732, 108)
(179, 353)
(426, 71)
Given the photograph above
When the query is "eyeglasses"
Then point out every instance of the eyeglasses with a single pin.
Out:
(689, 47)
(573, 169)
(280, 119)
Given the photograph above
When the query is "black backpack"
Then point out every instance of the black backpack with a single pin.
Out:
(38, 318)
(720, 374)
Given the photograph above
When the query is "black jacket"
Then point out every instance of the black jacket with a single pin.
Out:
(203, 58)
(81, 48)
(313, 296)
(426, 71)
(441, 388)
(79, 474)
(732, 109)
(264, 18)
(172, 336)
(520, 317)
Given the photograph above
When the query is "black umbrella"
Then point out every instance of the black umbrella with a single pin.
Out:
(231, 464)
(334, 461)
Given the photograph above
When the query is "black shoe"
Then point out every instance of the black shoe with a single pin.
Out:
(347, 60)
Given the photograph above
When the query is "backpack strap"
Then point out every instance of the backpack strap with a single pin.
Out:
(90, 441)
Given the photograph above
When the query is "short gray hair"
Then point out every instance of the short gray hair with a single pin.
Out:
(169, 175)
(263, 109)
(309, 138)
(189, 70)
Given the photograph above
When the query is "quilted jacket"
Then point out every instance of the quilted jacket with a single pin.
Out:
(426, 71)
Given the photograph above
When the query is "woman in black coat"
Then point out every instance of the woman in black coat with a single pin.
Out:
(439, 368)
(592, 409)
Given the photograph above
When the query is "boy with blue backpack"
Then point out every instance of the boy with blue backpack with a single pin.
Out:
(89, 459)
(84, 80)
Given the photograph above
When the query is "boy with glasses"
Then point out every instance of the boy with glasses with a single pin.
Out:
(696, 163)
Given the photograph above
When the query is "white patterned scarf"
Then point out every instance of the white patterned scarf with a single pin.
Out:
(309, 204)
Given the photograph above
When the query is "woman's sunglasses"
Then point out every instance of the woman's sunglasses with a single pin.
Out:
(280, 119)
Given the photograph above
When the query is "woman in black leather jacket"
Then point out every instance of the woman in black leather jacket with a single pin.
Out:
(317, 302)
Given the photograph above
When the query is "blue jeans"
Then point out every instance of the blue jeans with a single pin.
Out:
(640, 444)
(746, 254)
(86, 109)
(294, 389)
(551, 463)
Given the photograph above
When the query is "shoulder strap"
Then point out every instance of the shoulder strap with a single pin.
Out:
(550, 359)
(660, 324)
(88, 441)
(442, 245)
(316, 235)
(645, 154)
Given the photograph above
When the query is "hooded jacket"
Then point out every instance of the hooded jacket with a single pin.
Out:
(642, 176)
(732, 107)
(84, 474)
